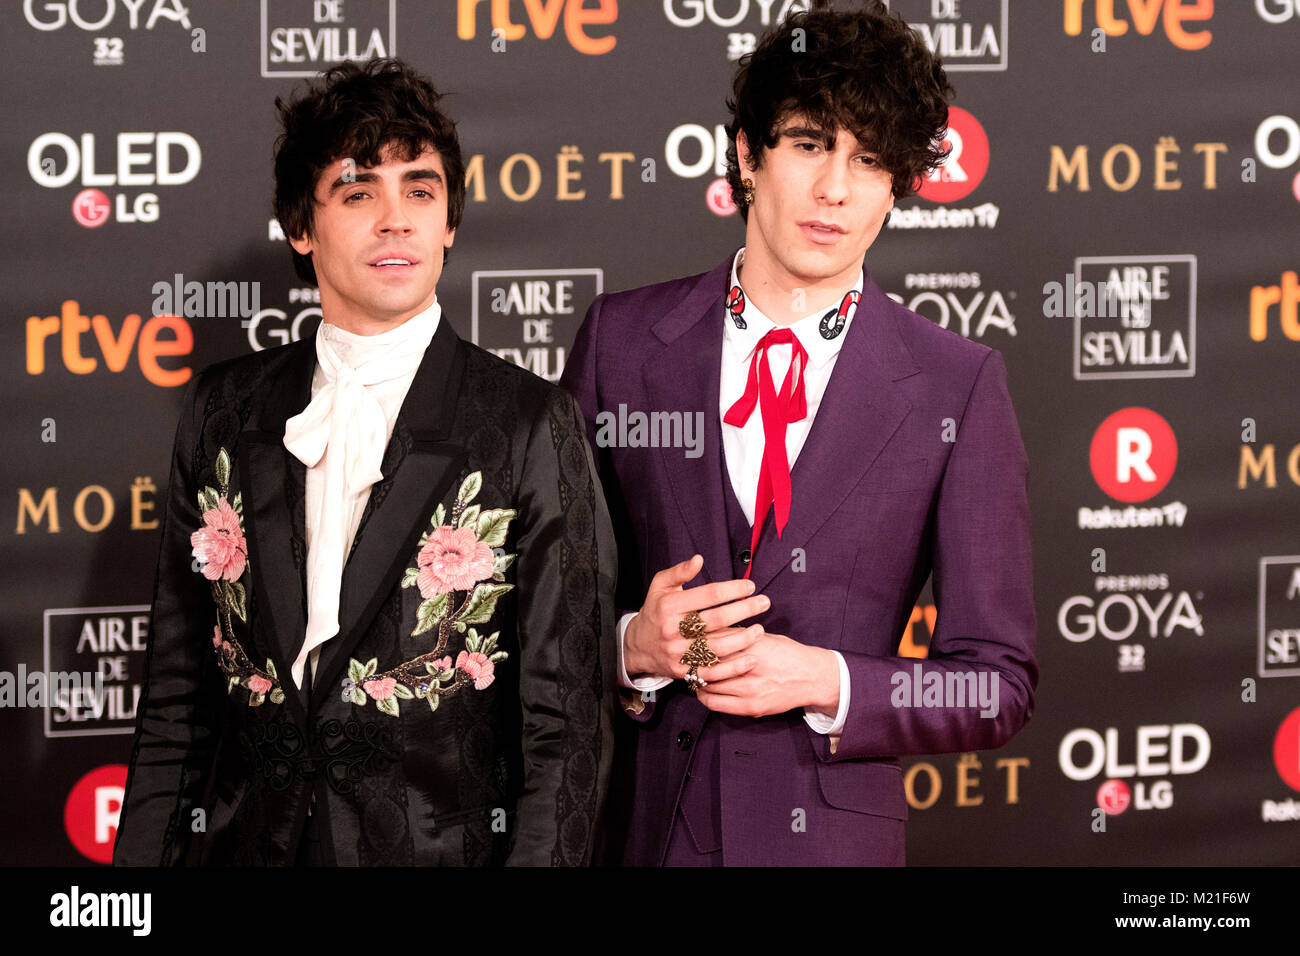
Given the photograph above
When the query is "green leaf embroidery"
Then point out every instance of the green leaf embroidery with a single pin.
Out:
(433, 700)
(469, 488)
(223, 468)
(371, 666)
(388, 706)
(481, 604)
(237, 503)
(356, 671)
(470, 517)
(402, 691)
(235, 590)
(411, 576)
(492, 526)
(430, 612)
(438, 514)
(277, 696)
(498, 657)
(359, 697)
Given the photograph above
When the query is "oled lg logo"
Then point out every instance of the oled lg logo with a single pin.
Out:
(1285, 133)
(1133, 456)
(55, 160)
(1160, 750)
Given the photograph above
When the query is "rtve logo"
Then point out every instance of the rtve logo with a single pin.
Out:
(148, 342)
(1143, 15)
(1133, 454)
(1286, 296)
(543, 16)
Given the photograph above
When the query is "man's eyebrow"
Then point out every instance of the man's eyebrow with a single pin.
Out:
(807, 132)
(411, 174)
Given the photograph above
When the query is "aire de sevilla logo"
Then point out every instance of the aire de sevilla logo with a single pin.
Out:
(967, 162)
(1133, 454)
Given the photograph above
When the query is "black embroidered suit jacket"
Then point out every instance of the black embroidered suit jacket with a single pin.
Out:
(461, 716)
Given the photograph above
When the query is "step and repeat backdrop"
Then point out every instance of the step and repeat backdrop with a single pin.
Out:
(1119, 216)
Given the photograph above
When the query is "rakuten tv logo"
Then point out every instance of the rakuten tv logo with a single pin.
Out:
(1133, 454)
(967, 162)
(91, 813)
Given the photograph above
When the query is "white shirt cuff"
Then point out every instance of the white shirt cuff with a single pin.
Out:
(643, 684)
(822, 724)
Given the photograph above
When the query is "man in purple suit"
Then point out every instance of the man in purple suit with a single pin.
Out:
(845, 449)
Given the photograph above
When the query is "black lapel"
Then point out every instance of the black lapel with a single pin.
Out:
(419, 466)
(271, 479)
(684, 376)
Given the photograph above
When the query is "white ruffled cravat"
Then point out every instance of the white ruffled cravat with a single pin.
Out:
(345, 429)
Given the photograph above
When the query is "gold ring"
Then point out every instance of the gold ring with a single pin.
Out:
(691, 626)
(694, 680)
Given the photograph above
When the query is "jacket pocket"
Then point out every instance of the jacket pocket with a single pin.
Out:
(865, 786)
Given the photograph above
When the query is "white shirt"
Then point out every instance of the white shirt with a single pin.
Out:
(743, 446)
(355, 350)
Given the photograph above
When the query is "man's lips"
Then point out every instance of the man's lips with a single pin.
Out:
(822, 232)
(393, 262)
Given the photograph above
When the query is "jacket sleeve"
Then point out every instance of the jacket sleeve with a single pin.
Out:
(566, 631)
(580, 379)
(173, 743)
(985, 631)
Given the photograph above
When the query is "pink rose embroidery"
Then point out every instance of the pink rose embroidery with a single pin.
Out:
(258, 685)
(452, 559)
(380, 689)
(219, 544)
(478, 667)
(444, 664)
(216, 636)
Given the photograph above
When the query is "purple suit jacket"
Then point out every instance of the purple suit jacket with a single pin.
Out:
(882, 498)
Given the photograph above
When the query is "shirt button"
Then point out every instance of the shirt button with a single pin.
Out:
(684, 740)
(745, 556)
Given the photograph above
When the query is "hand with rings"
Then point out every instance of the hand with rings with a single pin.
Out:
(690, 633)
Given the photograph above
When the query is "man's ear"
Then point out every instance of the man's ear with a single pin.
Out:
(449, 238)
(742, 153)
(301, 245)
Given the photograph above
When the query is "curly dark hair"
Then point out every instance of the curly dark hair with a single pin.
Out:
(356, 110)
(865, 71)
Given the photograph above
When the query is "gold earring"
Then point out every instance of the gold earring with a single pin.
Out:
(748, 185)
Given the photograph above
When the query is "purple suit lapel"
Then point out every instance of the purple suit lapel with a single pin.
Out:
(683, 376)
